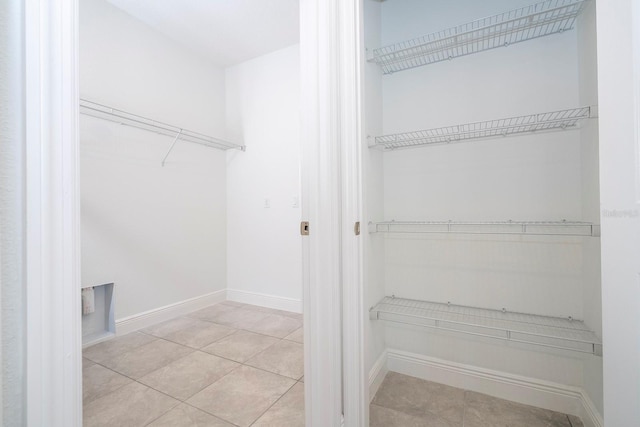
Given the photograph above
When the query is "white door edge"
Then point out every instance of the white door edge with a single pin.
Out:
(53, 353)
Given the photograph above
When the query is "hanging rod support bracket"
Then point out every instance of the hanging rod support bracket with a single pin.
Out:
(171, 148)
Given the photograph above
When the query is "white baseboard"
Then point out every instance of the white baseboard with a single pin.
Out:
(590, 416)
(529, 391)
(377, 374)
(151, 317)
(264, 300)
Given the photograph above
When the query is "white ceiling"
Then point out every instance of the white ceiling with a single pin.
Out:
(226, 31)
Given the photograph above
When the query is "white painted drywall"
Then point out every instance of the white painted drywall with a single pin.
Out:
(535, 177)
(620, 210)
(12, 220)
(227, 32)
(263, 110)
(373, 184)
(591, 277)
(157, 232)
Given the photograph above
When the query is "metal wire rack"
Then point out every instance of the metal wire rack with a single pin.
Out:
(122, 117)
(545, 228)
(541, 122)
(527, 23)
(545, 331)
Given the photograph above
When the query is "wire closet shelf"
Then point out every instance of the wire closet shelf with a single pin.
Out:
(553, 332)
(541, 122)
(527, 23)
(538, 228)
(122, 117)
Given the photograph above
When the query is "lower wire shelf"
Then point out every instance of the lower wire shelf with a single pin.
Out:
(554, 332)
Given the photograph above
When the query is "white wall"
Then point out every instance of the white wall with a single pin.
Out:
(619, 101)
(12, 221)
(157, 232)
(592, 292)
(373, 184)
(535, 177)
(263, 243)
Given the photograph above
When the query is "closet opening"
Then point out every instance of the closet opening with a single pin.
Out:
(481, 194)
(190, 178)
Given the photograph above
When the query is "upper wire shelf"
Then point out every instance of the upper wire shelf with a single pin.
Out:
(527, 23)
(538, 228)
(122, 117)
(546, 331)
(549, 121)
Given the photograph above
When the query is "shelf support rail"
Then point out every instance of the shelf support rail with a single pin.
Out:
(171, 147)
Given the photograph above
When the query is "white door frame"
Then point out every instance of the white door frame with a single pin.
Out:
(618, 26)
(53, 356)
(320, 185)
(330, 60)
(335, 386)
(351, 60)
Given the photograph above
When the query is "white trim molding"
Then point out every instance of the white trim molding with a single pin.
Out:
(265, 300)
(321, 207)
(167, 312)
(54, 359)
(350, 61)
(376, 375)
(525, 390)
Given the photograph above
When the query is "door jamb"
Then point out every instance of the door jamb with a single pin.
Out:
(53, 353)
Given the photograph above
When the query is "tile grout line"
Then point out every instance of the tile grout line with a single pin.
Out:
(271, 406)
(194, 349)
(232, 327)
(210, 354)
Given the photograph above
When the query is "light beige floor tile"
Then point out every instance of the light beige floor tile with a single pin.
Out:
(288, 411)
(486, 411)
(575, 421)
(187, 376)
(273, 311)
(107, 350)
(297, 336)
(297, 316)
(235, 304)
(283, 358)
(275, 325)
(384, 417)
(301, 379)
(240, 346)
(131, 405)
(417, 397)
(163, 329)
(98, 381)
(239, 318)
(199, 334)
(147, 358)
(86, 362)
(242, 396)
(188, 416)
(211, 312)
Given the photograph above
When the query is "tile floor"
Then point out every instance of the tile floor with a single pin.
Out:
(227, 365)
(404, 401)
(239, 365)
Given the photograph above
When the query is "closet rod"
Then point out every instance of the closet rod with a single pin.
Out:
(122, 117)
